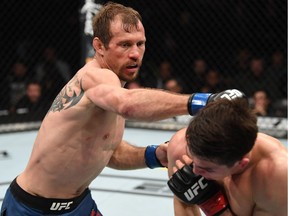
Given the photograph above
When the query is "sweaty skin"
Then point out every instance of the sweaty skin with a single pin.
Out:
(260, 189)
(82, 132)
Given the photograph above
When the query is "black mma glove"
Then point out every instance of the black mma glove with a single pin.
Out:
(200, 100)
(195, 189)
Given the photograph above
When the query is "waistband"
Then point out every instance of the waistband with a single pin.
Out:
(46, 205)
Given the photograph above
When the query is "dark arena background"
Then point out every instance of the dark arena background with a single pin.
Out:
(192, 46)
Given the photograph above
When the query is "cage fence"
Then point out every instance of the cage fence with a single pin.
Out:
(192, 46)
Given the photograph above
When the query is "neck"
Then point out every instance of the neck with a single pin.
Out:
(104, 65)
(101, 62)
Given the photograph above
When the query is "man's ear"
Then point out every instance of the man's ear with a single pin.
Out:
(98, 45)
(243, 162)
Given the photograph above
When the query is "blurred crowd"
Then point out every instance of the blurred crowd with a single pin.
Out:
(31, 90)
(195, 46)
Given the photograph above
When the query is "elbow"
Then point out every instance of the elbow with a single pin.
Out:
(127, 107)
(111, 164)
(133, 112)
(122, 105)
(130, 107)
(128, 112)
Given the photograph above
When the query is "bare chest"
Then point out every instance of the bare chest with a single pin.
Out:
(104, 131)
(240, 195)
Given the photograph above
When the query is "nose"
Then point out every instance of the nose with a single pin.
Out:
(134, 53)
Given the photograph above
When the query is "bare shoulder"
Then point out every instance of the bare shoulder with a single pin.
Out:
(88, 77)
(177, 146)
(273, 157)
(69, 96)
(269, 176)
(92, 75)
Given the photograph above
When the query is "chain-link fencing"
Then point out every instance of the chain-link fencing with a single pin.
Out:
(192, 46)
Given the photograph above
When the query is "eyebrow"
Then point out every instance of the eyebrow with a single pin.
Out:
(203, 168)
(130, 42)
(206, 169)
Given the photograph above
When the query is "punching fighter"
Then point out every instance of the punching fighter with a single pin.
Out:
(82, 132)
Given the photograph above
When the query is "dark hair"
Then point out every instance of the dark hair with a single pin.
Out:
(223, 131)
(103, 19)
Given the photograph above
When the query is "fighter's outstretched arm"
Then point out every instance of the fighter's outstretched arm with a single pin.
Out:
(146, 104)
(139, 104)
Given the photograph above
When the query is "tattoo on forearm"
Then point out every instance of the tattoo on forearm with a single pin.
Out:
(67, 96)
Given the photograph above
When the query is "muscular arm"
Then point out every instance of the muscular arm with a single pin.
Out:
(139, 104)
(127, 156)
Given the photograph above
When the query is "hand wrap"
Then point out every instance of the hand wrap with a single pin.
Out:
(150, 157)
(199, 100)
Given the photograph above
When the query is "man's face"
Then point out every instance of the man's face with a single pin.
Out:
(261, 99)
(210, 170)
(34, 92)
(125, 50)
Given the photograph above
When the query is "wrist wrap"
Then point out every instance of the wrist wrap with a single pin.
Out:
(150, 157)
(197, 101)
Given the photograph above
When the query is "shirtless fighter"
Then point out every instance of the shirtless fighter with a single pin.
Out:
(82, 131)
(223, 165)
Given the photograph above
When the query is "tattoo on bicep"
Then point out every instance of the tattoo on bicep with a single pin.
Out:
(67, 96)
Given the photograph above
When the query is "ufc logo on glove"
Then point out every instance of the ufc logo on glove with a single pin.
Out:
(199, 100)
(231, 94)
(193, 191)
